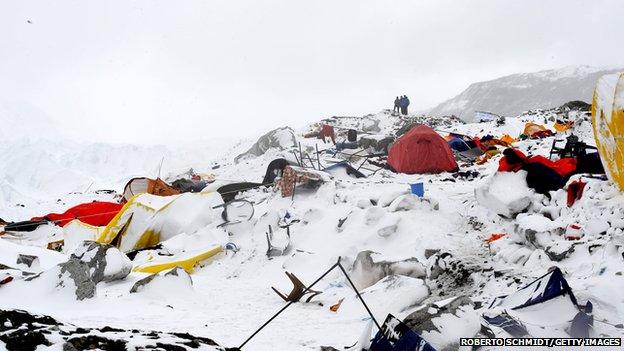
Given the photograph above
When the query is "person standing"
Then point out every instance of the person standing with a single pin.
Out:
(406, 103)
(397, 105)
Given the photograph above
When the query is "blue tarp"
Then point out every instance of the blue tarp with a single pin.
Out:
(396, 336)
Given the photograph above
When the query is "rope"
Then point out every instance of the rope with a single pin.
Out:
(337, 264)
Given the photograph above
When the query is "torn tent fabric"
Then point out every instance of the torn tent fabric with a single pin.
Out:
(397, 336)
(575, 191)
(146, 220)
(545, 307)
(96, 213)
(515, 159)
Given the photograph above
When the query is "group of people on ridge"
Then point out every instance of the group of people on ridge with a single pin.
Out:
(400, 104)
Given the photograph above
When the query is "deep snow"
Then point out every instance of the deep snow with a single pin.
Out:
(230, 295)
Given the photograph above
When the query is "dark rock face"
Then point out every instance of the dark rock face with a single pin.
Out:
(421, 319)
(22, 331)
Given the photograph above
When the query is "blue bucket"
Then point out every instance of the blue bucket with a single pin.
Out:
(418, 189)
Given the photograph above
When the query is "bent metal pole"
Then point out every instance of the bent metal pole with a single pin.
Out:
(337, 264)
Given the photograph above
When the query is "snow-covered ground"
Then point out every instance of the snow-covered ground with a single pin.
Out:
(231, 294)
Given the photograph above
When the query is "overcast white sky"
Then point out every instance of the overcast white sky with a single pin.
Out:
(151, 71)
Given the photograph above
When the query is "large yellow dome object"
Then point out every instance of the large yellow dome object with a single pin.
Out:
(608, 123)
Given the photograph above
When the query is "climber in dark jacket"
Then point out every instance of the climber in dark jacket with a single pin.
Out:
(404, 103)
(397, 105)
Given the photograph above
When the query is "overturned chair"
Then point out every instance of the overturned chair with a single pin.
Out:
(297, 292)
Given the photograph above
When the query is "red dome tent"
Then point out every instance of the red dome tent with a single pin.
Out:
(421, 150)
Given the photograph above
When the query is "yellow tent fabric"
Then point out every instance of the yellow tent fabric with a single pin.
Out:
(562, 127)
(186, 262)
(508, 139)
(608, 124)
(532, 128)
(146, 220)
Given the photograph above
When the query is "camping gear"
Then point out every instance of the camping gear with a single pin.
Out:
(608, 124)
(24, 226)
(327, 131)
(352, 135)
(228, 192)
(186, 261)
(336, 306)
(277, 247)
(236, 211)
(274, 170)
(507, 139)
(346, 145)
(293, 176)
(395, 335)
(343, 167)
(573, 232)
(494, 237)
(298, 291)
(96, 213)
(338, 264)
(421, 150)
(525, 312)
(418, 189)
(543, 175)
(561, 126)
(184, 185)
(536, 131)
(146, 185)
(575, 191)
(146, 220)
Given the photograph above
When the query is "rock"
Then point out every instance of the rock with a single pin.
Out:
(421, 319)
(73, 274)
(280, 138)
(367, 271)
(505, 193)
(373, 215)
(107, 262)
(28, 261)
(371, 126)
(560, 250)
(389, 225)
(376, 142)
(175, 278)
(409, 202)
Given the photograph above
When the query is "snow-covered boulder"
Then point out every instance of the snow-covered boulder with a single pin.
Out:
(443, 323)
(375, 142)
(72, 275)
(106, 262)
(173, 280)
(505, 193)
(370, 125)
(410, 202)
(280, 138)
(392, 294)
(370, 267)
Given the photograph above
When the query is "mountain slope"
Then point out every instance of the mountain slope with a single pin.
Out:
(513, 94)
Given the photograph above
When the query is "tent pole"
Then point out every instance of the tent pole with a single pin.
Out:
(358, 294)
(287, 305)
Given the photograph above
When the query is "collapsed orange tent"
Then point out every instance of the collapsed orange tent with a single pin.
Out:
(96, 213)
